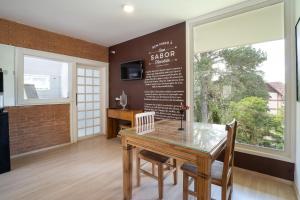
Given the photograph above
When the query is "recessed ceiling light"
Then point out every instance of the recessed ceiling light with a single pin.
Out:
(128, 8)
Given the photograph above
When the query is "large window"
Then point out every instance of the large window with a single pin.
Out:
(45, 79)
(239, 72)
(246, 83)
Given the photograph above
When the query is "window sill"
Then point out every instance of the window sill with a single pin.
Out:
(44, 102)
(264, 152)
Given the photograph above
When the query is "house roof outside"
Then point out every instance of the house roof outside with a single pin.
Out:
(277, 87)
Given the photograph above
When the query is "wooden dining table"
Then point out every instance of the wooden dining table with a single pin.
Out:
(199, 144)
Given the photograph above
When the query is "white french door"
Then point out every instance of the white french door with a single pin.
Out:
(88, 101)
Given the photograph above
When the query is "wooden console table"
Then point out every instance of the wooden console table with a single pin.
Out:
(113, 117)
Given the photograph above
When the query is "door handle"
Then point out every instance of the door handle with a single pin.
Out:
(76, 99)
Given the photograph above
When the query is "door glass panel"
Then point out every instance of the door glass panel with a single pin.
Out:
(80, 80)
(80, 89)
(89, 114)
(89, 89)
(96, 97)
(89, 97)
(96, 89)
(89, 72)
(89, 81)
(90, 131)
(89, 122)
(96, 129)
(97, 113)
(96, 73)
(80, 71)
(81, 98)
(81, 106)
(96, 81)
(81, 123)
(81, 132)
(81, 115)
(88, 101)
(96, 121)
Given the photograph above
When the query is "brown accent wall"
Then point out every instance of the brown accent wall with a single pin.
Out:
(272, 167)
(15, 34)
(136, 49)
(36, 127)
(269, 166)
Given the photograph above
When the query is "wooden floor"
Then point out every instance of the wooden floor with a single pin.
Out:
(92, 169)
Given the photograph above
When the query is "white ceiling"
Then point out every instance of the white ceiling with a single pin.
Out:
(103, 21)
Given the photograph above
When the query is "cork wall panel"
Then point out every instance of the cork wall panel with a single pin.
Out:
(12, 33)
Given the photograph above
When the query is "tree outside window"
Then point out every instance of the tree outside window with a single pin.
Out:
(245, 83)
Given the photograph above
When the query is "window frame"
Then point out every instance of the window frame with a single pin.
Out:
(288, 153)
(20, 54)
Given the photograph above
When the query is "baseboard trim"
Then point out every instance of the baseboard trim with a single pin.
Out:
(297, 191)
(40, 150)
(281, 180)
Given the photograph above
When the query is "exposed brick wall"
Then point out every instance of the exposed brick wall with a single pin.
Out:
(20, 35)
(37, 127)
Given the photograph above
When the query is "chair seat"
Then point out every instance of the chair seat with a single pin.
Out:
(125, 126)
(216, 169)
(154, 156)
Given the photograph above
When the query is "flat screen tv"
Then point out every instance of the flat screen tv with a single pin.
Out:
(132, 70)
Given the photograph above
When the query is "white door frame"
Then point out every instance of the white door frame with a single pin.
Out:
(104, 93)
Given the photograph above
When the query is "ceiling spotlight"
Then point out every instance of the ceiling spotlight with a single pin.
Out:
(128, 8)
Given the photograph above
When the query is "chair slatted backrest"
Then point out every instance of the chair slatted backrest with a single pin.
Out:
(144, 118)
(229, 150)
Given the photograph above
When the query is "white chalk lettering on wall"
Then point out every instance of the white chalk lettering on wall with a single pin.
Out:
(163, 53)
(164, 81)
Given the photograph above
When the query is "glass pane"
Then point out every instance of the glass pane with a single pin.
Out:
(246, 83)
(80, 80)
(80, 71)
(89, 106)
(89, 89)
(80, 97)
(42, 83)
(89, 131)
(96, 73)
(89, 81)
(96, 89)
(96, 97)
(97, 105)
(96, 121)
(96, 113)
(80, 89)
(81, 115)
(96, 81)
(89, 72)
(89, 122)
(89, 114)
(89, 97)
(81, 132)
(81, 106)
(96, 129)
(81, 123)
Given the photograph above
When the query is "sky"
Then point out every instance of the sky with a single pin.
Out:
(274, 66)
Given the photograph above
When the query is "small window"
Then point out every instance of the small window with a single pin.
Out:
(45, 78)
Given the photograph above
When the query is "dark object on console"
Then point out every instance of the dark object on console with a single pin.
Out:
(4, 143)
(132, 70)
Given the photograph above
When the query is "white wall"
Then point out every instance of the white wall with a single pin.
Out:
(297, 167)
(7, 63)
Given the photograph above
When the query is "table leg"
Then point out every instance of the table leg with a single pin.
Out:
(204, 179)
(127, 172)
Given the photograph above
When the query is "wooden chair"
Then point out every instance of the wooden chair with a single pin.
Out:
(221, 172)
(163, 163)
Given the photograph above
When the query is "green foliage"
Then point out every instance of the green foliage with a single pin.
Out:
(236, 90)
